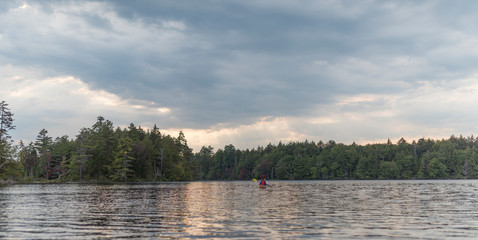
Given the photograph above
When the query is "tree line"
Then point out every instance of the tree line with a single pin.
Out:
(101, 152)
(455, 158)
(104, 152)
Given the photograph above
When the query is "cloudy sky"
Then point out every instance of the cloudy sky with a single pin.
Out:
(246, 73)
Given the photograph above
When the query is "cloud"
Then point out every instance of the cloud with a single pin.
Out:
(246, 136)
(64, 104)
(230, 72)
(434, 110)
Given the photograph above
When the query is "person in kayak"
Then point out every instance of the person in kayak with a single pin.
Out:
(263, 182)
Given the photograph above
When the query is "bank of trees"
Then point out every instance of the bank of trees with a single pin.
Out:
(104, 152)
(456, 157)
(8, 164)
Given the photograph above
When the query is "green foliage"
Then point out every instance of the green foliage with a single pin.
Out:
(6, 149)
(104, 143)
(437, 169)
(205, 157)
(132, 154)
(103, 153)
(121, 168)
(81, 155)
(425, 158)
(389, 170)
(28, 157)
(10, 168)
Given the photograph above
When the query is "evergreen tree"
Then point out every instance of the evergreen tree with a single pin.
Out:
(156, 152)
(205, 160)
(104, 144)
(82, 154)
(29, 159)
(10, 168)
(121, 168)
(62, 150)
(6, 124)
(43, 146)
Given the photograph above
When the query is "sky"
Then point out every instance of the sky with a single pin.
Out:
(246, 73)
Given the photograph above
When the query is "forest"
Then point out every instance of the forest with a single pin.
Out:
(104, 153)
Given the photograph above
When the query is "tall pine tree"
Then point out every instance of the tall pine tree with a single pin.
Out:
(6, 124)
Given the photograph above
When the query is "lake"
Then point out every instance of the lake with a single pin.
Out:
(238, 209)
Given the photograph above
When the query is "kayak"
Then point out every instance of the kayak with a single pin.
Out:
(262, 186)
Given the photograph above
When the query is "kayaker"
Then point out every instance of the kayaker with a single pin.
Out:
(263, 182)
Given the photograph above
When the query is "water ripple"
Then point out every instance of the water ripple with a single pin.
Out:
(290, 209)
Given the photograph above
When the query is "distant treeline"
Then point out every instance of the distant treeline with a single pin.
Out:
(105, 153)
(456, 157)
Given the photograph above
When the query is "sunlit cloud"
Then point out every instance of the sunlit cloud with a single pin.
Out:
(66, 91)
(24, 6)
(260, 133)
(65, 104)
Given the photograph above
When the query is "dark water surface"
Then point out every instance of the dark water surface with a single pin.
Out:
(288, 210)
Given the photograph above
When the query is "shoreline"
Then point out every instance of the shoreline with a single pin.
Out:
(13, 182)
(7, 182)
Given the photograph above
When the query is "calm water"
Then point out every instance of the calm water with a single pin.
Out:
(289, 209)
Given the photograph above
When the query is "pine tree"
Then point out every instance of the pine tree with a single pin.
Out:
(104, 143)
(121, 168)
(43, 145)
(6, 124)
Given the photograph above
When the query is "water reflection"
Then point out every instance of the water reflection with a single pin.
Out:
(3, 215)
(290, 209)
(222, 209)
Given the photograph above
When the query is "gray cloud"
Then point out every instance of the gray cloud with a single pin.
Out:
(234, 62)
